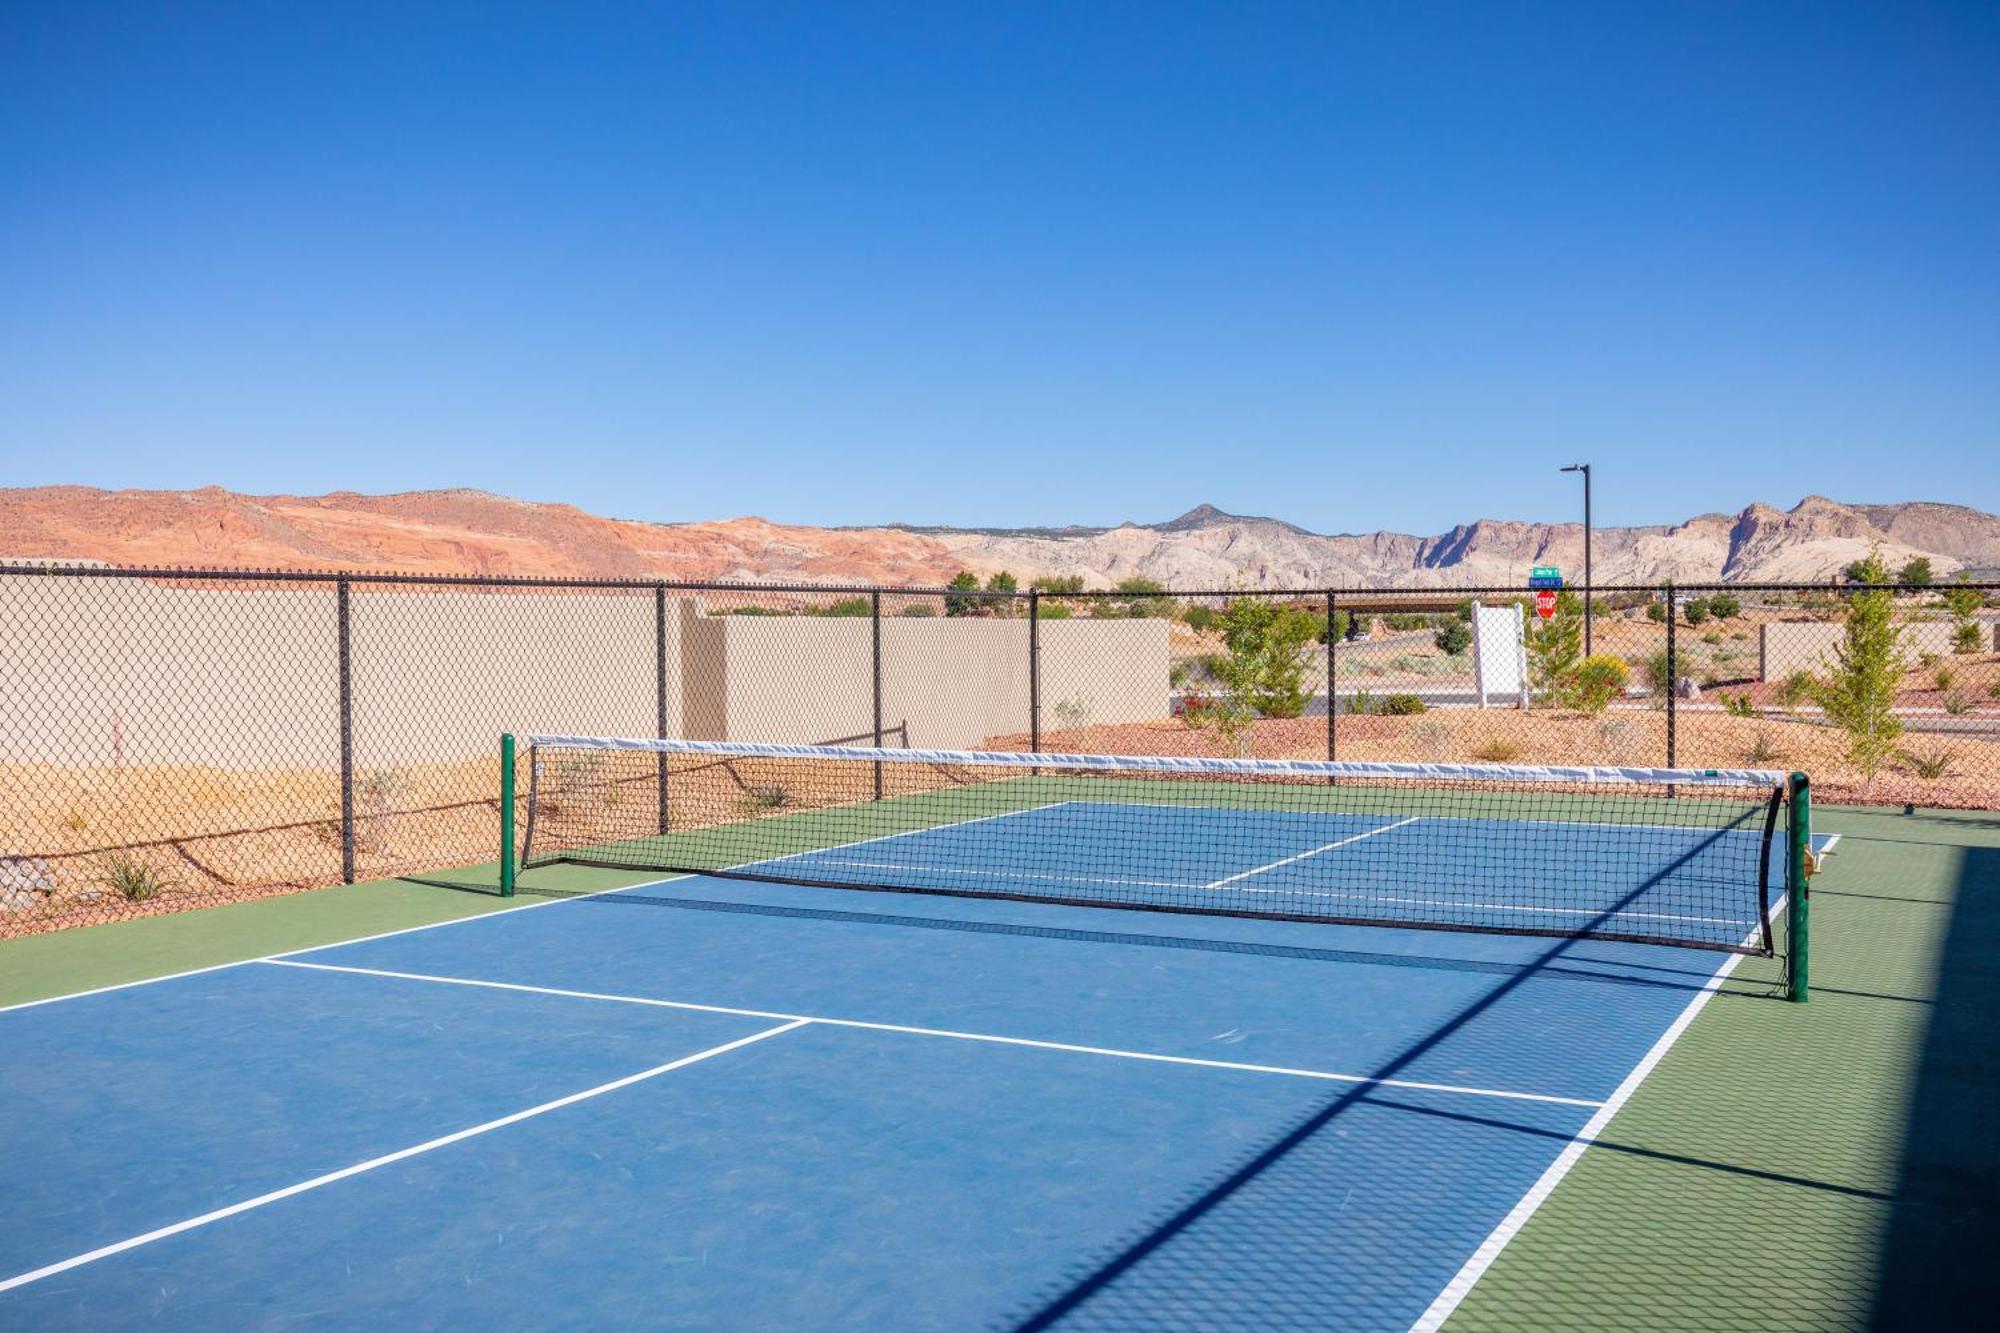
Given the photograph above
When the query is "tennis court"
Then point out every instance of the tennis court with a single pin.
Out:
(711, 1100)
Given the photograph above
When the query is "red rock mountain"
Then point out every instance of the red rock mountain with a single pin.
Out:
(466, 531)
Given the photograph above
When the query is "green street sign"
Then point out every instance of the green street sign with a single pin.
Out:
(1546, 572)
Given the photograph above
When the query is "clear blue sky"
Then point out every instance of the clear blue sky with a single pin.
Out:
(1357, 266)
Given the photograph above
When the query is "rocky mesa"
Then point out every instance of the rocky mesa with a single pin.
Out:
(473, 532)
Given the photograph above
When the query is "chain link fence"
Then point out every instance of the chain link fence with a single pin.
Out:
(179, 738)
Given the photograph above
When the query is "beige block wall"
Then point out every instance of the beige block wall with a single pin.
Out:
(947, 682)
(246, 676)
(438, 675)
(101, 671)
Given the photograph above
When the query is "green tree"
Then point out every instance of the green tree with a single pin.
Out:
(1266, 662)
(1003, 606)
(1916, 572)
(1859, 690)
(850, 606)
(1555, 646)
(1963, 603)
(962, 582)
(1725, 606)
(1138, 587)
(1059, 585)
(1696, 611)
(1453, 638)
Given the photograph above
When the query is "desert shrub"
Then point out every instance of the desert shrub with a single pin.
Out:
(1402, 705)
(1614, 738)
(919, 611)
(1498, 750)
(1713, 636)
(1944, 675)
(1957, 704)
(1072, 713)
(1696, 611)
(1930, 764)
(1053, 611)
(1198, 617)
(1966, 639)
(1061, 585)
(1763, 752)
(1432, 737)
(1927, 660)
(1598, 680)
(850, 607)
(1725, 606)
(1740, 705)
(1656, 612)
(1361, 703)
(1658, 670)
(1453, 638)
(1916, 572)
(132, 879)
(767, 796)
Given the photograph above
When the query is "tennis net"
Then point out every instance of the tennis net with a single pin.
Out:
(1669, 856)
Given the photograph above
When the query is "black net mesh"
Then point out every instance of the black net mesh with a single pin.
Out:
(1648, 855)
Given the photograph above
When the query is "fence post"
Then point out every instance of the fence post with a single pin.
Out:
(660, 694)
(342, 592)
(1331, 638)
(507, 815)
(875, 651)
(1798, 868)
(1673, 674)
(1034, 671)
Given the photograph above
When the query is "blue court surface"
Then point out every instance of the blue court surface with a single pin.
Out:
(705, 1103)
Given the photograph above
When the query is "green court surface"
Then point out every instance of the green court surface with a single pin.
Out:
(1828, 1165)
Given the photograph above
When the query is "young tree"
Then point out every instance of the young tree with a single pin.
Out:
(1916, 572)
(1963, 603)
(964, 581)
(1859, 690)
(1266, 662)
(1555, 647)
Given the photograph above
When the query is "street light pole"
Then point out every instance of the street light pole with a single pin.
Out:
(1584, 468)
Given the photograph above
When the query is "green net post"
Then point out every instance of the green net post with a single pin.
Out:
(507, 816)
(1798, 907)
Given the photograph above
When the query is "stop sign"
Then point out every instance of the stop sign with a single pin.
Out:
(1545, 604)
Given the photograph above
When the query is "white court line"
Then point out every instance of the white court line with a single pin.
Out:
(868, 1026)
(485, 916)
(1468, 1275)
(401, 1154)
(985, 873)
(1258, 870)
